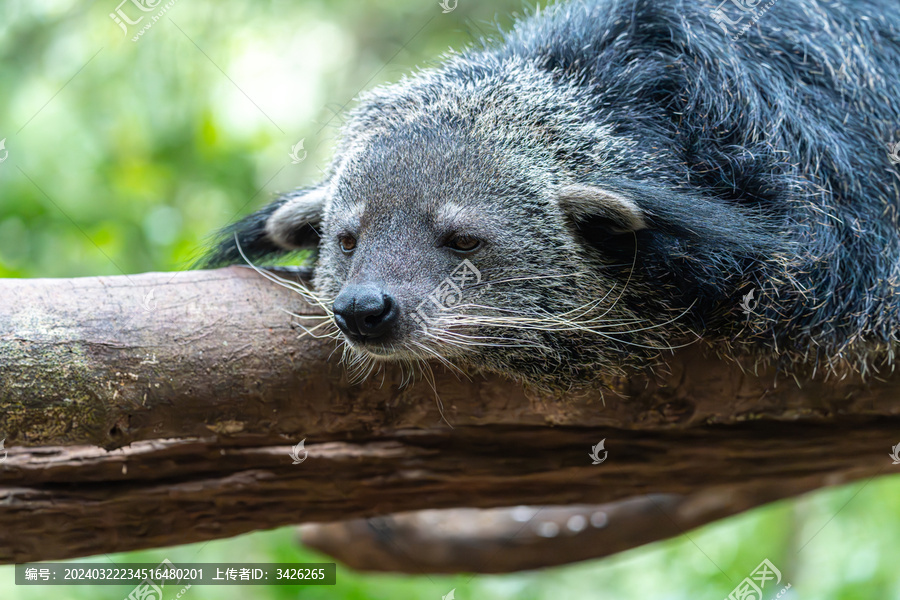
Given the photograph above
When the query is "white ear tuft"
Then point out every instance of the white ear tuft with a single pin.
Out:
(294, 224)
(583, 203)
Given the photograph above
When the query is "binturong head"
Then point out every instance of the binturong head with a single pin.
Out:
(494, 228)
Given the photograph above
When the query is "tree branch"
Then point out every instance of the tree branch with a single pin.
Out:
(207, 379)
(502, 540)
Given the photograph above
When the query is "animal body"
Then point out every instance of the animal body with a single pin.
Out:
(611, 179)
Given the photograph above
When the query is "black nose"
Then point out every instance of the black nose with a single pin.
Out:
(365, 311)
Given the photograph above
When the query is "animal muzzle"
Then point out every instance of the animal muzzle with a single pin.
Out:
(365, 313)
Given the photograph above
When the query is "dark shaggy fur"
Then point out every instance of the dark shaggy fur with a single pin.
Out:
(703, 167)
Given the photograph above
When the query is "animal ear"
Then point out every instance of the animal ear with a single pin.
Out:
(294, 225)
(289, 223)
(593, 207)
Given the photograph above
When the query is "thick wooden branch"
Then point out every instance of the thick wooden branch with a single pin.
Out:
(501, 540)
(199, 384)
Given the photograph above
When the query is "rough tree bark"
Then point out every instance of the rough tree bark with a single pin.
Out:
(159, 409)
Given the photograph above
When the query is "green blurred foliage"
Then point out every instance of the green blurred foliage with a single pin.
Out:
(124, 156)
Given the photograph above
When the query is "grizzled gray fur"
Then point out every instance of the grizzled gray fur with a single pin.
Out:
(622, 174)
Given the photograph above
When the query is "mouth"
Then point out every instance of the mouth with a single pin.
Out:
(377, 348)
(376, 351)
(383, 351)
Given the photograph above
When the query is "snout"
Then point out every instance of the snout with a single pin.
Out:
(366, 313)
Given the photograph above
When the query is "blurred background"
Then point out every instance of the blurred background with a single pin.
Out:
(123, 151)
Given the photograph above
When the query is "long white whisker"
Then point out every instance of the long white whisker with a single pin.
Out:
(443, 360)
(336, 334)
(428, 375)
(291, 285)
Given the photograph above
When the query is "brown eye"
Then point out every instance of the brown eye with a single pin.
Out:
(464, 243)
(347, 242)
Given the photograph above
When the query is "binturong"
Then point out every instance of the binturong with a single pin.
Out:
(610, 180)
